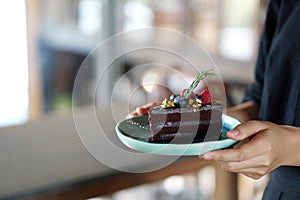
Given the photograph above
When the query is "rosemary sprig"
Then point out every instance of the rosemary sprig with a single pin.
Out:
(203, 74)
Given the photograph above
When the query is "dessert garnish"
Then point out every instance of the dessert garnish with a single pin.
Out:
(187, 116)
(184, 99)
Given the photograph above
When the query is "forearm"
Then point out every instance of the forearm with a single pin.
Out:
(291, 144)
(245, 111)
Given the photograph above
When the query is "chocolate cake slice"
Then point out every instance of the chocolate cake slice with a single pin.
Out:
(185, 125)
(188, 117)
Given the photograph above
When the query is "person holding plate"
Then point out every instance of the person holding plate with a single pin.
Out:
(270, 110)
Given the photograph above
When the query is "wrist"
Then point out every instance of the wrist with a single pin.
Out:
(291, 144)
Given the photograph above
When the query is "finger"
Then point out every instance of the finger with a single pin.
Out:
(247, 129)
(245, 149)
(246, 166)
(254, 176)
(251, 170)
(132, 114)
(143, 110)
(227, 155)
(241, 143)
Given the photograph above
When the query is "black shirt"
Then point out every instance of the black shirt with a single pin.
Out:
(277, 85)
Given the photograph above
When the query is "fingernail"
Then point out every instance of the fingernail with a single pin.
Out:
(234, 132)
(207, 157)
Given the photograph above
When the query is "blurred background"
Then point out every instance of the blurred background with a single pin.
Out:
(44, 42)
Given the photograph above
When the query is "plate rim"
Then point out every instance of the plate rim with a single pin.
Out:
(167, 149)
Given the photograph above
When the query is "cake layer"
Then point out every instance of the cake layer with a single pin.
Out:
(185, 125)
(159, 115)
(187, 133)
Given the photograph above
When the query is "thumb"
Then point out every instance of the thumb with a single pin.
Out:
(247, 129)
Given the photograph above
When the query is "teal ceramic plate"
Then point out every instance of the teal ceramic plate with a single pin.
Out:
(134, 133)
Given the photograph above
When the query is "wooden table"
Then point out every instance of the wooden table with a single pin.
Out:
(45, 159)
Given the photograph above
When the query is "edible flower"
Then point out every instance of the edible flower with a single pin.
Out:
(166, 103)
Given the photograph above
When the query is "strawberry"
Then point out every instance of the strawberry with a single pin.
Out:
(206, 99)
(183, 92)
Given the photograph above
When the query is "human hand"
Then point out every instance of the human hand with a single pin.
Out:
(269, 146)
(142, 110)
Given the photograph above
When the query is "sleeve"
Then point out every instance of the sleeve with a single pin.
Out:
(254, 91)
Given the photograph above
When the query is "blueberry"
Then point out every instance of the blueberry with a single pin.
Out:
(173, 96)
(176, 100)
(198, 96)
(183, 103)
(180, 101)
